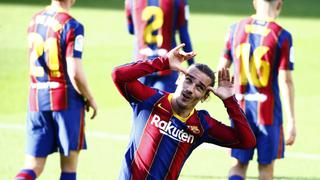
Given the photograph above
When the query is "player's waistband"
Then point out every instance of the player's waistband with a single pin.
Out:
(46, 85)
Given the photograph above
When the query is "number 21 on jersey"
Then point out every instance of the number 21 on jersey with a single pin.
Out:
(38, 46)
(253, 69)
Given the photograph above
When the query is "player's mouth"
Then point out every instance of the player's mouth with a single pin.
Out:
(186, 96)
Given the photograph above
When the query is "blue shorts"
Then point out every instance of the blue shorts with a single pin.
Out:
(51, 131)
(270, 144)
(165, 83)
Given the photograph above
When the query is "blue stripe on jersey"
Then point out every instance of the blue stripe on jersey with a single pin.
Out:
(141, 113)
(153, 2)
(164, 156)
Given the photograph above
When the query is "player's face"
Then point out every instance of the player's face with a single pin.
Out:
(192, 88)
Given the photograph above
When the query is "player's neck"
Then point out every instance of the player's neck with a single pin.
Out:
(61, 4)
(181, 111)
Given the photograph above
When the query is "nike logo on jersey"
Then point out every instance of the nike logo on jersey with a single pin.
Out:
(160, 106)
(168, 129)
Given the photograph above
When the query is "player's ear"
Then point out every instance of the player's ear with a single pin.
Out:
(206, 95)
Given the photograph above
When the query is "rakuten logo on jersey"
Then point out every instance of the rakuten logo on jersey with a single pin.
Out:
(167, 128)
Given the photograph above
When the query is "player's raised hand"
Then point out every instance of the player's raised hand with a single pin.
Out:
(177, 56)
(225, 87)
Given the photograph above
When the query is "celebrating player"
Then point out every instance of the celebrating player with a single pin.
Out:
(154, 24)
(58, 91)
(166, 128)
(261, 51)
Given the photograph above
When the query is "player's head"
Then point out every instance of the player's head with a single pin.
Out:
(272, 7)
(193, 86)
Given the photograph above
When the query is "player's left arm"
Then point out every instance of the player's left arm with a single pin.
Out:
(239, 136)
(183, 17)
(286, 84)
(129, 17)
(73, 32)
(287, 93)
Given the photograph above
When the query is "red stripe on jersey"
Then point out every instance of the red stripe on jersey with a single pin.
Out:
(138, 7)
(178, 160)
(23, 176)
(146, 150)
(167, 29)
(280, 146)
(81, 134)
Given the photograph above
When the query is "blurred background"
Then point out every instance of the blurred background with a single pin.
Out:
(108, 44)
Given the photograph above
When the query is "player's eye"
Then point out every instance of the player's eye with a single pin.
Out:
(188, 80)
(200, 88)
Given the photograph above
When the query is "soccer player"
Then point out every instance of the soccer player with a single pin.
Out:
(154, 24)
(59, 92)
(262, 54)
(166, 127)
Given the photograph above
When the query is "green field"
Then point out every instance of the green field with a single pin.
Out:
(108, 45)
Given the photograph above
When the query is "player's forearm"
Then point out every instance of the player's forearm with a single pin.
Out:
(80, 84)
(77, 77)
(133, 71)
(287, 92)
(243, 131)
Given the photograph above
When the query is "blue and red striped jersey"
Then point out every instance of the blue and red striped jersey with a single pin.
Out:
(155, 23)
(53, 35)
(258, 49)
(161, 140)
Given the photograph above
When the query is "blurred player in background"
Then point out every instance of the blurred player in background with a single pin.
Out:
(262, 54)
(59, 92)
(166, 127)
(154, 24)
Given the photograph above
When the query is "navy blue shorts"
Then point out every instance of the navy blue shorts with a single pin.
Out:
(270, 145)
(51, 131)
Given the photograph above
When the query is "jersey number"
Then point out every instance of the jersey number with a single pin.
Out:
(254, 69)
(38, 46)
(157, 15)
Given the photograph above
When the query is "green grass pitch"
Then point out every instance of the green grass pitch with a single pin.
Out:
(108, 45)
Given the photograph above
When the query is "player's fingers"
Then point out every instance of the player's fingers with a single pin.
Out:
(227, 73)
(178, 47)
(219, 77)
(93, 114)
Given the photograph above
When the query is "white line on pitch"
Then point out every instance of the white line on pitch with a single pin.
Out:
(124, 137)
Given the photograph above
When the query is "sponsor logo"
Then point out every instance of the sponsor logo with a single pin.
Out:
(168, 129)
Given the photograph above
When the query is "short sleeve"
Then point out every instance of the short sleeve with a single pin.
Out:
(74, 32)
(287, 52)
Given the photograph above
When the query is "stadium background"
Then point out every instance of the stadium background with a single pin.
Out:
(108, 44)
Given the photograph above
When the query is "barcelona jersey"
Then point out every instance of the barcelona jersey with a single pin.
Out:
(53, 35)
(161, 140)
(155, 23)
(259, 49)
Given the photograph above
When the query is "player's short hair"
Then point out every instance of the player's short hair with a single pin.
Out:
(206, 70)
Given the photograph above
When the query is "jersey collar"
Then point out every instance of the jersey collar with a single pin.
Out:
(175, 114)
